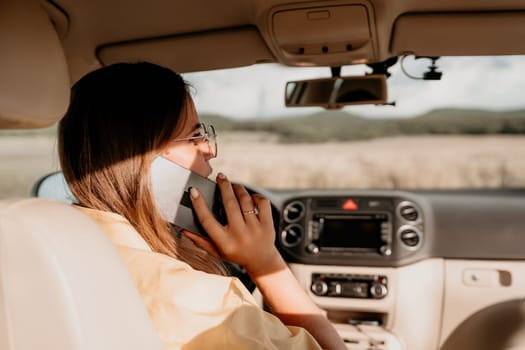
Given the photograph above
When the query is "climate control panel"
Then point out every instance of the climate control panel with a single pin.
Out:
(349, 285)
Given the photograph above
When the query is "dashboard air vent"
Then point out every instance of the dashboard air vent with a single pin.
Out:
(294, 211)
(408, 211)
(292, 235)
(410, 236)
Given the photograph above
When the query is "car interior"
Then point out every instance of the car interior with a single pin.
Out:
(425, 269)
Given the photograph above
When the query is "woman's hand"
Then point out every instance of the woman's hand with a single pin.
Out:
(248, 238)
(202, 242)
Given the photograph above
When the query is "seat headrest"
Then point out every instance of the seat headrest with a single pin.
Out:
(34, 84)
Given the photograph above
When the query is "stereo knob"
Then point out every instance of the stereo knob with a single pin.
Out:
(378, 290)
(319, 288)
(312, 248)
(385, 250)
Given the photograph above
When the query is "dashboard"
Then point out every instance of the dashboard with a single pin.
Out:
(396, 228)
(346, 230)
(400, 269)
(405, 269)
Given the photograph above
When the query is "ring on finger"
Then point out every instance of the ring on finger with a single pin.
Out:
(252, 211)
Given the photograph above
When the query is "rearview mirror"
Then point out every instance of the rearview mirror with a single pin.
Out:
(334, 93)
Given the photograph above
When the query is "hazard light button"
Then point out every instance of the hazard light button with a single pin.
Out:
(350, 204)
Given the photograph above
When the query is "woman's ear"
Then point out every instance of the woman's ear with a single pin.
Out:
(165, 151)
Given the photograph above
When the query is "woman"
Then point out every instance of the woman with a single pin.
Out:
(120, 118)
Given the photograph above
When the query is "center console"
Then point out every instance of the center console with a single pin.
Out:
(351, 230)
(345, 251)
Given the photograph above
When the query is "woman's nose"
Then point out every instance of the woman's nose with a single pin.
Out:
(206, 150)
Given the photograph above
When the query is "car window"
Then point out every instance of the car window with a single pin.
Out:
(25, 156)
(464, 131)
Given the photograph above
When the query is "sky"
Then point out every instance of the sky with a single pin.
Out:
(257, 92)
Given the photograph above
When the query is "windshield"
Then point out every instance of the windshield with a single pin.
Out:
(463, 131)
(466, 130)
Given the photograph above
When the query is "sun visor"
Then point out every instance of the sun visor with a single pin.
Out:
(459, 34)
(187, 53)
(34, 84)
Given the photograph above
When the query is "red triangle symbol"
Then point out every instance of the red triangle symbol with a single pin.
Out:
(350, 205)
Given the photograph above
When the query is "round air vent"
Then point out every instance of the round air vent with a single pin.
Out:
(408, 211)
(292, 235)
(410, 236)
(294, 211)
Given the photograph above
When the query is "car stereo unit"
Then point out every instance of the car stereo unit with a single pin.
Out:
(361, 229)
(329, 229)
(356, 232)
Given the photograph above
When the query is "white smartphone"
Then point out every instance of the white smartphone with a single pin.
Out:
(170, 184)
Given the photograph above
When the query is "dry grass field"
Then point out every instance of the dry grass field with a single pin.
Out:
(398, 162)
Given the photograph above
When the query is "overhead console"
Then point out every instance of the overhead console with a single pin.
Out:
(330, 33)
(351, 230)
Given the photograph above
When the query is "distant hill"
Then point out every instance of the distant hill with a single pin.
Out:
(218, 121)
(465, 121)
(343, 126)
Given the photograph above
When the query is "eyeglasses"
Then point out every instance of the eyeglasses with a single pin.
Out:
(205, 133)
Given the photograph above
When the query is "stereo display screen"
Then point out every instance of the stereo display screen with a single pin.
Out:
(357, 233)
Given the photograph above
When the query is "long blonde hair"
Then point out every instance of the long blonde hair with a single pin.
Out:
(119, 117)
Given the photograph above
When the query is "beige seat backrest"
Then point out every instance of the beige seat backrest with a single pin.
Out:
(63, 284)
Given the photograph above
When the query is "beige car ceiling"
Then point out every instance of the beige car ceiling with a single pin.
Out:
(209, 34)
(284, 26)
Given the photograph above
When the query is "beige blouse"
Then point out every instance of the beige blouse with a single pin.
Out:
(191, 309)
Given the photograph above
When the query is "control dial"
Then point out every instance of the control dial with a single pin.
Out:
(378, 290)
(312, 248)
(319, 288)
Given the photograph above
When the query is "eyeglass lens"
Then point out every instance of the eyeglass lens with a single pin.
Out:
(210, 138)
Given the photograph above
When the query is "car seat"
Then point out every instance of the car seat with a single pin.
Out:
(62, 282)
